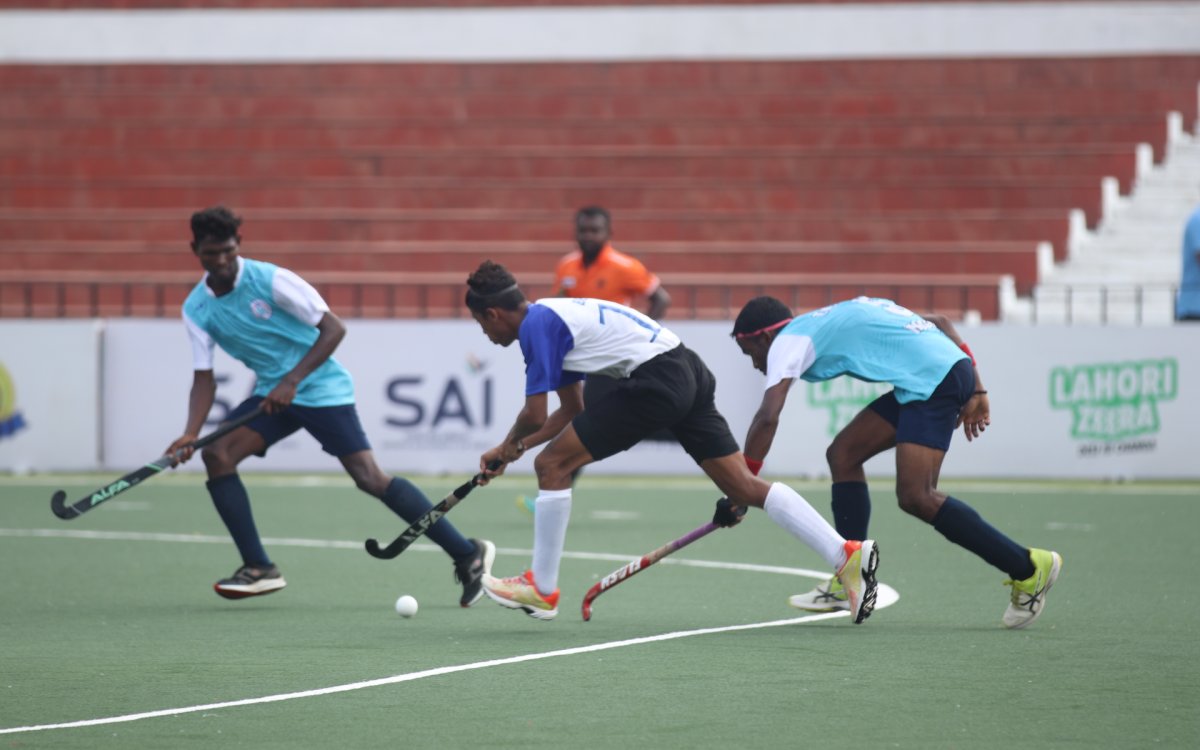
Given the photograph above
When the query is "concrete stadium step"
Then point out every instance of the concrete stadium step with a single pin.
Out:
(1098, 160)
(556, 195)
(522, 105)
(878, 133)
(1021, 260)
(487, 226)
(655, 76)
(372, 294)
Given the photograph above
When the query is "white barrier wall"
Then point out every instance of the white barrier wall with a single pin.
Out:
(1067, 402)
(49, 395)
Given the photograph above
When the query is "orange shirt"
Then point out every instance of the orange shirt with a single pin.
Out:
(614, 277)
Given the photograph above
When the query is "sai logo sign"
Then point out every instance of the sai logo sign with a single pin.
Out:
(1114, 401)
(10, 419)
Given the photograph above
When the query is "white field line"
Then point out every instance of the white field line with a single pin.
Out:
(138, 536)
(411, 676)
(887, 597)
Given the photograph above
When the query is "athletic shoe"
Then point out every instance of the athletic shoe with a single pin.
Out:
(470, 571)
(250, 581)
(527, 504)
(519, 592)
(826, 597)
(858, 578)
(1029, 596)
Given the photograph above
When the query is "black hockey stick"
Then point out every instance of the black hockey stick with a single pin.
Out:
(58, 503)
(432, 516)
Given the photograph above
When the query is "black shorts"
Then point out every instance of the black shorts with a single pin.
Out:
(673, 391)
(596, 387)
(931, 422)
(336, 428)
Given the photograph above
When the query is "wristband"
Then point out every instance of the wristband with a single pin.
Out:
(967, 350)
(753, 465)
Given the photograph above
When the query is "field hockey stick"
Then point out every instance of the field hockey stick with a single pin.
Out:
(58, 503)
(625, 571)
(432, 516)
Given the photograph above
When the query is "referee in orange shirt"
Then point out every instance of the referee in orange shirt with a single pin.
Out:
(599, 271)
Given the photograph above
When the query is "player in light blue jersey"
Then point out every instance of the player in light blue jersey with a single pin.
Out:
(661, 384)
(279, 326)
(936, 389)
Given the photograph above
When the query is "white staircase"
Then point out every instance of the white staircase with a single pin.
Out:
(1126, 272)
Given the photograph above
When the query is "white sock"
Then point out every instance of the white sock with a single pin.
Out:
(551, 512)
(787, 508)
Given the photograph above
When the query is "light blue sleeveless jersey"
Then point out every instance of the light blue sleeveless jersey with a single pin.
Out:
(874, 340)
(252, 328)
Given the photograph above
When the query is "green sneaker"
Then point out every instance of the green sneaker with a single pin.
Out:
(826, 597)
(1029, 596)
(526, 504)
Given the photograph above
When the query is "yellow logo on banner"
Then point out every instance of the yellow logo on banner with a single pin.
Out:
(10, 419)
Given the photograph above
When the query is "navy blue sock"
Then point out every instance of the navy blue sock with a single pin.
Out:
(851, 509)
(233, 504)
(959, 523)
(408, 502)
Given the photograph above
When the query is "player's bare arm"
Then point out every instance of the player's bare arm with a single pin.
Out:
(766, 421)
(331, 332)
(570, 403)
(976, 414)
(530, 420)
(659, 302)
(200, 401)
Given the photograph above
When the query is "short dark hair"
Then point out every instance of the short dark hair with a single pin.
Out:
(216, 223)
(493, 286)
(592, 212)
(759, 313)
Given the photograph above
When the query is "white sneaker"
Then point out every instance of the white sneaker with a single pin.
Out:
(826, 597)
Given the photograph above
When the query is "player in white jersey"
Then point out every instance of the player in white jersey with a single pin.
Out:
(279, 326)
(661, 384)
(936, 389)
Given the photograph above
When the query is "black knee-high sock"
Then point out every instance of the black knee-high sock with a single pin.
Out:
(233, 505)
(961, 524)
(851, 509)
(408, 502)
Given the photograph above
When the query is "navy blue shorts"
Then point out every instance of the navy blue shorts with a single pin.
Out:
(336, 428)
(931, 422)
(673, 391)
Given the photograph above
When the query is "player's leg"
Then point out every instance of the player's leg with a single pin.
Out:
(257, 574)
(871, 432)
(923, 436)
(535, 591)
(340, 433)
(706, 437)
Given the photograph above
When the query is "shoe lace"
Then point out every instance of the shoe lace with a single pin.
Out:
(1032, 598)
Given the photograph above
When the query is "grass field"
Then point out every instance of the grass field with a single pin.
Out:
(112, 615)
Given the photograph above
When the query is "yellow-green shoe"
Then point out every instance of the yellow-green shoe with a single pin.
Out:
(519, 592)
(857, 575)
(826, 597)
(1029, 596)
(526, 504)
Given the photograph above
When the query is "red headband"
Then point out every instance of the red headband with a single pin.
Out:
(760, 331)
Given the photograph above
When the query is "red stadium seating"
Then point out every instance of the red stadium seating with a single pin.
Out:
(947, 173)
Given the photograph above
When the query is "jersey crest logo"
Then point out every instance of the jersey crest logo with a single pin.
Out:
(260, 309)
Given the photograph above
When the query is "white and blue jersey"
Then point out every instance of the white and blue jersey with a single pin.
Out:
(565, 339)
(267, 322)
(870, 339)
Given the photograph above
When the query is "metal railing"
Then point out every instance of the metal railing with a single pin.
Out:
(696, 296)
